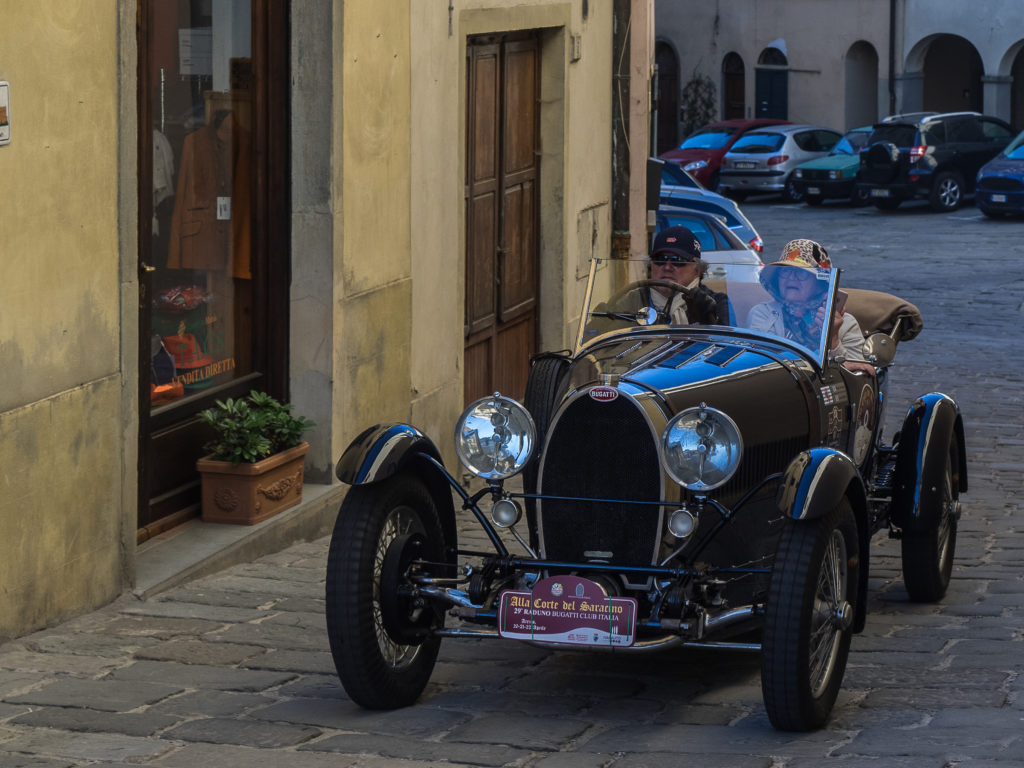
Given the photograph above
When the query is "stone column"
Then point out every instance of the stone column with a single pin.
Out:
(909, 92)
(996, 96)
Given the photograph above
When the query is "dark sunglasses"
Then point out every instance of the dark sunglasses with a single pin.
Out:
(673, 261)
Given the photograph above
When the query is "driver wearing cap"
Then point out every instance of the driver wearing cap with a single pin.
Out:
(679, 294)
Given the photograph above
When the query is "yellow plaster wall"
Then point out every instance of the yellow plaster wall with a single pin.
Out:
(59, 316)
(60, 303)
(60, 491)
(373, 277)
(436, 212)
(588, 164)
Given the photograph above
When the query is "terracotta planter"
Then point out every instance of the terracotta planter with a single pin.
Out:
(249, 493)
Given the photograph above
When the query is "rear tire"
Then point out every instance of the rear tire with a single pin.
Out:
(928, 555)
(947, 192)
(377, 670)
(809, 619)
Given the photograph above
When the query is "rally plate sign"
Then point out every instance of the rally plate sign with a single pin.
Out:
(567, 610)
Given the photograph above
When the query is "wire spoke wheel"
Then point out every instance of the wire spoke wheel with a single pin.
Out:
(400, 521)
(809, 619)
(829, 603)
(381, 643)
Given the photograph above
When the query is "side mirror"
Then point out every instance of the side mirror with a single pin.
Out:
(879, 349)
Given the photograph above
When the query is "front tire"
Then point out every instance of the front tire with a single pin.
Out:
(928, 555)
(887, 204)
(378, 670)
(809, 619)
(814, 200)
(791, 193)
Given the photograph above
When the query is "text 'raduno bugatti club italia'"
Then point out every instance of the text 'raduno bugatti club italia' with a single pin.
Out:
(712, 486)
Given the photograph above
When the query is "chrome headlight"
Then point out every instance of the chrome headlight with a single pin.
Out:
(835, 175)
(494, 437)
(798, 174)
(696, 165)
(701, 448)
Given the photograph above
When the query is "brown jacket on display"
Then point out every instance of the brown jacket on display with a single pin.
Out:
(214, 164)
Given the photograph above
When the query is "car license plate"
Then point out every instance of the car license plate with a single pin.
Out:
(879, 192)
(745, 166)
(813, 191)
(567, 610)
(998, 198)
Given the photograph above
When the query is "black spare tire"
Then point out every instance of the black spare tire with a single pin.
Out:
(881, 163)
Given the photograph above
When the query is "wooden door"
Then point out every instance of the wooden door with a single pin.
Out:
(668, 98)
(733, 87)
(772, 93)
(502, 173)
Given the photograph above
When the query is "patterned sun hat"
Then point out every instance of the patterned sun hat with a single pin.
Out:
(802, 252)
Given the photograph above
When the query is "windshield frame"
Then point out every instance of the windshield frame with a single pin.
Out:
(594, 295)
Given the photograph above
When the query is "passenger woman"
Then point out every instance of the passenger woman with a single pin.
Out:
(800, 292)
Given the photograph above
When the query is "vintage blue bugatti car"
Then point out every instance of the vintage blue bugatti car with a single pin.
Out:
(682, 486)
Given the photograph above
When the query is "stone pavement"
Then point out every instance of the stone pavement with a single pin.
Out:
(234, 669)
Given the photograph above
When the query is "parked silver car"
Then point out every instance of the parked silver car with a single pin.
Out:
(762, 161)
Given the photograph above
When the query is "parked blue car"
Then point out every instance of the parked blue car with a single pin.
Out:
(677, 192)
(1000, 185)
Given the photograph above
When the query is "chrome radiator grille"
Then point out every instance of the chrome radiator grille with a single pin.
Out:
(601, 450)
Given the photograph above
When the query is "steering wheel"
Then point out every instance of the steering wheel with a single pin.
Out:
(673, 286)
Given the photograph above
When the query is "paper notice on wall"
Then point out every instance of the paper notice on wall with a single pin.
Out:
(5, 110)
(195, 51)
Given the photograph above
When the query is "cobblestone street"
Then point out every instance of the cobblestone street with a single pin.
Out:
(234, 669)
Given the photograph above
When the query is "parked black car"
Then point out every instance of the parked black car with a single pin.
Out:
(936, 157)
(691, 486)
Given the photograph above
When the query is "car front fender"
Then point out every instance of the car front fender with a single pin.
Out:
(380, 451)
(816, 480)
(929, 429)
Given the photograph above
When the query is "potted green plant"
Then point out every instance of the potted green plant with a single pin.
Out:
(255, 464)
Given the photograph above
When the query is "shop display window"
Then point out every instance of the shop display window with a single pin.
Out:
(201, 295)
